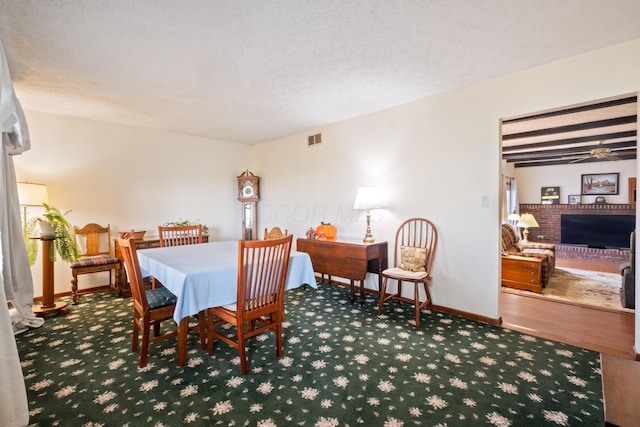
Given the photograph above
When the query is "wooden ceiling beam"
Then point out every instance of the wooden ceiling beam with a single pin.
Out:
(568, 161)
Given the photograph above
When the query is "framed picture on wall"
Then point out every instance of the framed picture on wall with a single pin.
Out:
(599, 183)
(550, 195)
(574, 199)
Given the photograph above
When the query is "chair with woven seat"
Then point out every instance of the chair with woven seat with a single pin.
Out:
(180, 235)
(259, 307)
(94, 247)
(150, 307)
(414, 251)
(275, 233)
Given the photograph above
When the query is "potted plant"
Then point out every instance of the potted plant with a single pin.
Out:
(53, 224)
(183, 222)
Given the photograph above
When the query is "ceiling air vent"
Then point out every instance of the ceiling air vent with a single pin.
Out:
(315, 139)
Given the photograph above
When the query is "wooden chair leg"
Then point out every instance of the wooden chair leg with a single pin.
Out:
(417, 304)
(134, 337)
(156, 329)
(145, 344)
(383, 291)
(210, 333)
(202, 323)
(279, 339)
(241, 349)
(74, 287)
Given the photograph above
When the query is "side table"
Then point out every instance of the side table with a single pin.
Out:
(48, 303)
(350, 259)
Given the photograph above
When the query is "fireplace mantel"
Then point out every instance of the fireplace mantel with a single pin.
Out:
(548, 217)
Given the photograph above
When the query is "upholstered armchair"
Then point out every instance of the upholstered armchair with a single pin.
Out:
(628, 273)
(511, 246)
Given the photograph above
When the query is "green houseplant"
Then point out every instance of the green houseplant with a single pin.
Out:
(183, 222)
(64, 244)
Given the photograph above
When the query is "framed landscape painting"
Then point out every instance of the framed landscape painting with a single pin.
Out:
(600, 183)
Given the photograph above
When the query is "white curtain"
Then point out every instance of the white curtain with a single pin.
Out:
(510, 197)
(17, 283)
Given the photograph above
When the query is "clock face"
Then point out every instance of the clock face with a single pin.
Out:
(247, 189)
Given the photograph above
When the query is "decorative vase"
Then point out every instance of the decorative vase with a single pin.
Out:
(46, 229)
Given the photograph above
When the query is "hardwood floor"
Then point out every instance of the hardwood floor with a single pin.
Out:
(598, 329)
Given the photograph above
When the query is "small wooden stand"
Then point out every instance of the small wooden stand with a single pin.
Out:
(48, 303)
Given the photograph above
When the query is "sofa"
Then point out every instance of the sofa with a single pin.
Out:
(628, 273)
(511, 246)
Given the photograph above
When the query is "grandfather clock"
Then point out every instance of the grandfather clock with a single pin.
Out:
(248, 195)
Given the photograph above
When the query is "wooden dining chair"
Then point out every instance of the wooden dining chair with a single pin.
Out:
(94, 247)
(414, 250)
(180, 235)
(275, 233)
(150, 307)
(262, 274)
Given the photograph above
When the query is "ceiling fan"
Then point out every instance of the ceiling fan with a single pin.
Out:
(602, 153)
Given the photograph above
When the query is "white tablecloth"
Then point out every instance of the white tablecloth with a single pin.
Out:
(206, 275)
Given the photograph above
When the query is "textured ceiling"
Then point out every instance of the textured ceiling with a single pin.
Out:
(250, 71)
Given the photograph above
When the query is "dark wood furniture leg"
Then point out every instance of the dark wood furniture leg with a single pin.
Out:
(183, 330)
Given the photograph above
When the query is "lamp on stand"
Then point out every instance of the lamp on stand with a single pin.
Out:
(368, 198)
(30, 194)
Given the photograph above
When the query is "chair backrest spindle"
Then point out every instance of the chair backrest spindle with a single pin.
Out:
(261, 279)
(417, 232)
(180, 235)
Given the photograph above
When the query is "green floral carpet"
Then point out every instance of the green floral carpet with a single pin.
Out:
(342, 366)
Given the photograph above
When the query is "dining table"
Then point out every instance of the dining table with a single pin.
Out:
(205, 275)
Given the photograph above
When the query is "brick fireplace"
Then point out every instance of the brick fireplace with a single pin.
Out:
(548, 217)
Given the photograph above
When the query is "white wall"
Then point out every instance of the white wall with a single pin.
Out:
(410, 151)
(437, 157)
(130, 178)
(568, 178)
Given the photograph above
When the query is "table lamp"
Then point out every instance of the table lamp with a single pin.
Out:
(527, 220)
(513, 219)
(30, 194)
(368, 198)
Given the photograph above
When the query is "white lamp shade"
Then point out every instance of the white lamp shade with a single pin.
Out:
(514, 217)
(368, 198)
(527, 220)
(32, 194)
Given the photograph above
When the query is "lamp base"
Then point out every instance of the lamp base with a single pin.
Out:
(525, 235)
(368, 237)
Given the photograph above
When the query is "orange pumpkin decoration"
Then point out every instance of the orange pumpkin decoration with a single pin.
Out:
(327, 229)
